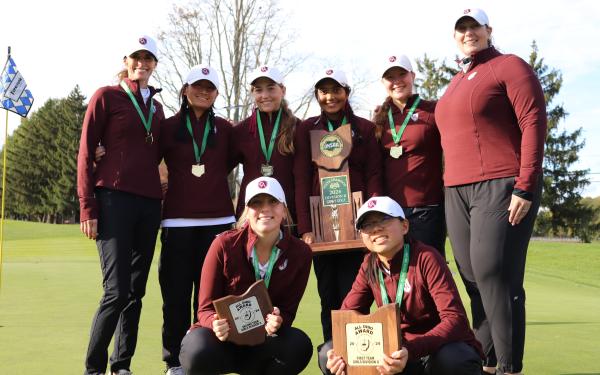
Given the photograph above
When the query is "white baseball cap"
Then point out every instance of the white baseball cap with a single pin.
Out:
(385, 205)
(334, 74)
(142, 43)
(400, 61)
(200, 72)
(264, 185)
(267, 72)
(476, 14)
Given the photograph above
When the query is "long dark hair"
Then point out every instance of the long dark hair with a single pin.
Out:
(182, 134)
(380, 117)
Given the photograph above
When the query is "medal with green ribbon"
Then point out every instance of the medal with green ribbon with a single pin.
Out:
(267, 169)
(198, 169)
(330, 125)
(256, 266)
(400, 290)
(396, 150)
(146, 122)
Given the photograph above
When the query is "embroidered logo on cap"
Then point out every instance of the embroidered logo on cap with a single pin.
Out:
(329, 72)
(142, 41)
(264, 69)
(392, 58)
(262, 184)
(205, 71)
(467, 11)
(372, 203)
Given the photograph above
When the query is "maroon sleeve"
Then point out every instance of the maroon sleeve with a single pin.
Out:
(94, 122)
(212, 283)
(360, 297)
(527, 98)
(453, 325)
(288, 306)
(303, 177)
(374, 166)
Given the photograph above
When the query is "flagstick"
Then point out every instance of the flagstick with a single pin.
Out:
(4, 190)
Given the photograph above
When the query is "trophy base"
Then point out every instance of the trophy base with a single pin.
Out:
(336, 246)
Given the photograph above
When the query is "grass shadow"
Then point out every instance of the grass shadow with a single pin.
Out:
(557, 323)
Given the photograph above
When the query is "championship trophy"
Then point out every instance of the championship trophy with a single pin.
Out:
(246, 314)
(334, 212)
(363, 339)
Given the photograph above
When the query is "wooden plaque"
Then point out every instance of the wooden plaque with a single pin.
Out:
(246, 314)
(362, 339)
(334, 211)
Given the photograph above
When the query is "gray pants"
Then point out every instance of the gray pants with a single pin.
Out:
(490, 254)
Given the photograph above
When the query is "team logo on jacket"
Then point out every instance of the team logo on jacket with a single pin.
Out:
(264, 69)
(262, 184)
(142, 41)
(407, 287)
(414, 116)
(283, 265)
(205, 71)
(471, 76)
(331, 145)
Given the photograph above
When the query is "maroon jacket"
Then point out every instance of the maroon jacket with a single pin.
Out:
(492, 120)
(364, 165)
(247, 151)
(228, 270)
(188, 196)
(130, 164)
(432, 313)
(415, 178)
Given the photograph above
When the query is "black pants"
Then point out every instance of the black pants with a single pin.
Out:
(428, 225)
(335, 275)
(490, 254)
(286, 353)
(181, 259)
(456, 358)
(127, 228)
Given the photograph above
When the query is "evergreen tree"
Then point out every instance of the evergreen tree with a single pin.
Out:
(436, 78)
(562, 184)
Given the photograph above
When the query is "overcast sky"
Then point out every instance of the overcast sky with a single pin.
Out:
(58, 44)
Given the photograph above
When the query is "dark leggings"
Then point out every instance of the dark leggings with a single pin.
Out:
(490, 254)
(181, 258)
(335, 276)
(427, 224)
(455, 358)
(286, 353)
(127, 228)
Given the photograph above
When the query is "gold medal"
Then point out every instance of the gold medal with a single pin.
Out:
(149, 138)
(396, 152)
(198, 170)
(266, 170)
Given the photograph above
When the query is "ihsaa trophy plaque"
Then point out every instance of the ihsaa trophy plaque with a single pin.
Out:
(334, 212)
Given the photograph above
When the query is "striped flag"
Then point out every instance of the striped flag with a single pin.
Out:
(14, 95)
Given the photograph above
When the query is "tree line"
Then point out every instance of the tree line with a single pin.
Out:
(236, 36)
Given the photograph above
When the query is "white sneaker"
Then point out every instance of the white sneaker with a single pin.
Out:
(175, 371)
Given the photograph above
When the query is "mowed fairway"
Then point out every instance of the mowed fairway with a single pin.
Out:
(51, 286)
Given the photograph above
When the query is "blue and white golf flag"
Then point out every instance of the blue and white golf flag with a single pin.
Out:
(14, 95)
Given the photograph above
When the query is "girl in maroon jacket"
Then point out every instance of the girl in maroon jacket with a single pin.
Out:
(411, 153)
(492, 121)
(120, 201)
(197, 205)
(259, 249)
(264, 142)
(336, 272)
(436, 338)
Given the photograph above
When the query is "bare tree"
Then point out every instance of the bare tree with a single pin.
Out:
(233, 36)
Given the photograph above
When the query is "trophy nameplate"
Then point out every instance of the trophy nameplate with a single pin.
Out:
(246, 314)
(363, 339)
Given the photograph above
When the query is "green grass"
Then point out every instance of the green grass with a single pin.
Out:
(51, 288)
